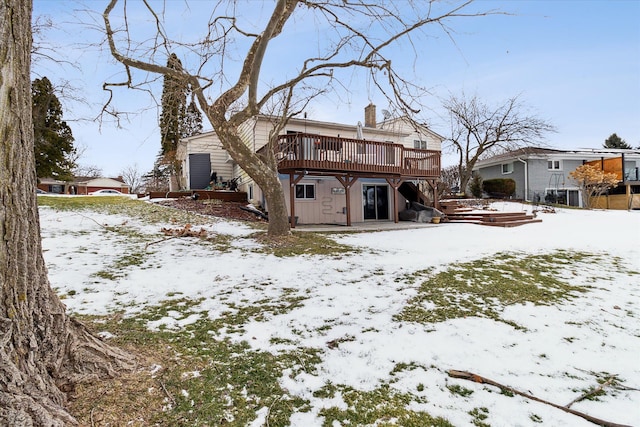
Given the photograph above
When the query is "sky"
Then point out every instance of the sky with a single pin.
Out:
(353, 298)
(574, 63)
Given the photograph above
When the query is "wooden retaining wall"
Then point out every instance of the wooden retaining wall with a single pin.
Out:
(617, 202)
(227, 196)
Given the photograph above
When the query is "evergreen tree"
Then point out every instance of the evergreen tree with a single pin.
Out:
(177, 120)
(191, 121)
(174, 99)
(614, 141)
(53, 144)
(475, 186)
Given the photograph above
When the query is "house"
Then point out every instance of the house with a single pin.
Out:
(331, 173)
(83, 185)
(542, 174)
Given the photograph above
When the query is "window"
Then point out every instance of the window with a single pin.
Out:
(507, 168)
(419, 144)
(56, 188)
(305, 191)
(553, 165)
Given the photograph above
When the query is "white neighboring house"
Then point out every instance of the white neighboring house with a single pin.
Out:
(340, 173)
(542, 174)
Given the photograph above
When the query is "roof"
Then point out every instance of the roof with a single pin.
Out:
(381, 129)
(526, 153)
(422, 126)
(103, 182)
(88, 180)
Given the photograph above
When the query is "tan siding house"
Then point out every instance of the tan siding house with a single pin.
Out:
(331, 173)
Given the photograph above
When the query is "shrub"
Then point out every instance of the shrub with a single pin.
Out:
(476, 186)
(499, 187)
(593, 182)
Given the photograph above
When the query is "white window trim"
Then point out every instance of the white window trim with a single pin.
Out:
(306, 198)
(509, 168)
(553, 162)
(566, 189)
(420, 144)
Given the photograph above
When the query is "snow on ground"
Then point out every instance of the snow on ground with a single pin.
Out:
(354, 297)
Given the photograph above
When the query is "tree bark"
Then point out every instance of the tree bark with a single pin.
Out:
(262, 169)
(43, 353)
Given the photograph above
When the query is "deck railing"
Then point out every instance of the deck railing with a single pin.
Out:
(333, 154)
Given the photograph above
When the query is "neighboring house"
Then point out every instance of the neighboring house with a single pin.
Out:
(83, 185)
(333, 173)
(542, 174)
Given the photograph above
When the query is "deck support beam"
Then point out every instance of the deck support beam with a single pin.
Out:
(293, 181)
(395, 183)
(434, 188)
(347, 182)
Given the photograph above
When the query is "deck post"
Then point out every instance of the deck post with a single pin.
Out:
(434, 187)
(395, 183)
(347, 182)
(292, 202)
(293, 181)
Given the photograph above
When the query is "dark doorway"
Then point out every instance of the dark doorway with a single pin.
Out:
(199, 171)
(375, 200)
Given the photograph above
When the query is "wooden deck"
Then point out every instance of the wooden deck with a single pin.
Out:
(317, 153)
(456, 213)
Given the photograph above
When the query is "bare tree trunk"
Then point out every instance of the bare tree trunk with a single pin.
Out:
(278, 224)
(261, 168)
(42, 351)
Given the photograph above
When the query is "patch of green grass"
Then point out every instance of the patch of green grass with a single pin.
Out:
(401, 367)
(535, 418)
(479, 415)
(132, 256)
(327, 391)
(382, 406)
(482, 288)
(304, 243)
(139, 209)
(211, 381)
(459, 390)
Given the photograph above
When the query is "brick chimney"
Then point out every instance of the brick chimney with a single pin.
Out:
(370, 116)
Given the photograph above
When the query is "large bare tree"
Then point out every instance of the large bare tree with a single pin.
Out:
(356, 34)
(478, 129)
(43, 352)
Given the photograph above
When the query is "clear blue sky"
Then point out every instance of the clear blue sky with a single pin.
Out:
(574, 63)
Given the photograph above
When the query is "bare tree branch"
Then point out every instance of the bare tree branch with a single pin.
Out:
(356, 35)
(478, 130)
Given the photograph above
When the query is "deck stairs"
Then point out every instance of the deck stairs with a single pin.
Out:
(412, 193)
(457, 213)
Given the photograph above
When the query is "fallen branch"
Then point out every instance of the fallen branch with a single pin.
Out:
(168, 394)
(106, 227)
(158, 241)
(269, 410)
(482, 380)
(591, 392)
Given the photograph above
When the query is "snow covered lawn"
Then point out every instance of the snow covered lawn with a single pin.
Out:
(366, 335)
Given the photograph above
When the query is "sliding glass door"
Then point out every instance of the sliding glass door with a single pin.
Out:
(375, 201)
